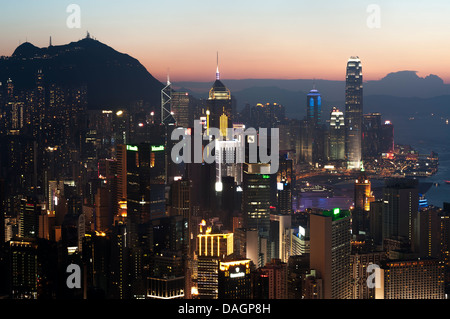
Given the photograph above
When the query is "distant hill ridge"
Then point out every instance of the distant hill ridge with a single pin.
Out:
(112, 78)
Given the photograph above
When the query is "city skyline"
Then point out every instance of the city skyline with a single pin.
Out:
(120, 181)
(287, 40)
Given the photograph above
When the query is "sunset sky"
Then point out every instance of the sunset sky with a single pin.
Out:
(284, 39)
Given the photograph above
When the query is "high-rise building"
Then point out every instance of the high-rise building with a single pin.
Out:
(183, 105)
(400, 211)
(353, 112)
(271, 281)
(387, 137)
(330, 251)
(313, 150)
(29, 214)
(280, 234)
(234, 280)
(430, 231)
(359, 264)
(362, 199)
(212, 248)
(336, 135)
(371, 135)
(23, 269)
(285, 185)
(219, 103)
(411, 279)
(256, 197)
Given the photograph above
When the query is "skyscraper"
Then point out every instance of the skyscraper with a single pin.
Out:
(219, 103)
(336, 135)
(256, 197)
(330, 251)
(313, 137)
(400, 211)
(353, 112)
(362, 199)
(411, 279)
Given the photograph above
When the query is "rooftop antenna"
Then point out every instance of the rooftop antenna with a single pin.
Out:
(217, 70)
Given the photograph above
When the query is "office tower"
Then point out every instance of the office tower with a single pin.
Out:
(371, 135)
(219, 103)
(256, 197)
(314, 107)
(430, 231)
(270, 281)
(445, 242)
(298, 268)
(280, 236)
(29, 214)
(285, 185)
(387, 137)
(359, 265)
(330, 251)
(314, 135)
(301, 241)
(362, 198)
(141, 180)
(234, 279)
(120, 268)
(183, 108)
(353, 112)
(376, 222)
(313, 286)
(165, 288)
(400, 210)
(411, 279)
(96, 257)
(22, 269)
(336, 135)
(212, 248)
(102, 209)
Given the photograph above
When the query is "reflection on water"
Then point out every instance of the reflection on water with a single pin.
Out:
(425, 135)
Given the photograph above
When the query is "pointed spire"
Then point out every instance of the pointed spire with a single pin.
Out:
(168, 77)
(217, 70)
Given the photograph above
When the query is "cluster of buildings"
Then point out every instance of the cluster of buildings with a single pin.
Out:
(100, 189)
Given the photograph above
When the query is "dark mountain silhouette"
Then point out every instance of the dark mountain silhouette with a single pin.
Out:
(112, 78)
(398, 94)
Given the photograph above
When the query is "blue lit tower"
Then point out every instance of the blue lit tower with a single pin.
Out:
(353, 112)
(313, 137)
(313, 109)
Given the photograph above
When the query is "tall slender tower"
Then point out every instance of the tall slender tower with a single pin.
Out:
(353, 112)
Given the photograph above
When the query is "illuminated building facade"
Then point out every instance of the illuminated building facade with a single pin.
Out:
(256, 197)
(212, 249)
(23, 269)
(411, 279)
(359, 264)
(313, 137)
(336, 135)
(371, 143)
(353, 112)
(271, 281)
(387, 137)
(330, 250)
(400, 210)
(219, 103)
(234, 279)
(362, 199)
